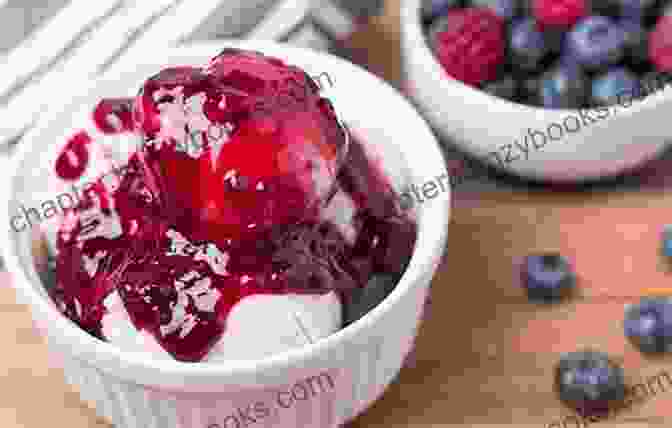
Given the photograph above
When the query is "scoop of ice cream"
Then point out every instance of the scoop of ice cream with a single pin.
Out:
(239, 146)
(289, 321)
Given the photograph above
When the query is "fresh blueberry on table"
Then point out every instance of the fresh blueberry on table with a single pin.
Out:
(648, 324)
(527, 45)
(589, 381)
(506, 88)
(361, 301)
(547, 277)
(596, 42)
(506, 9)
(563, 86)
(615, 86)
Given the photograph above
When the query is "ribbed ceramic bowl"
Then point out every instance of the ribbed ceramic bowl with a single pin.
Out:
(321, 385)
(576, 147)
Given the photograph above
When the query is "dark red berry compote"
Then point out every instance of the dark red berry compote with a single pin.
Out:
(246, 184)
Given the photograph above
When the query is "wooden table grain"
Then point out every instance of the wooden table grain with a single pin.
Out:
(484, 356)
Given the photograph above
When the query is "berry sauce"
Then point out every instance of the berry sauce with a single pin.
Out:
(114, 115)
(74, 158)
(472, 47)
(188, 230)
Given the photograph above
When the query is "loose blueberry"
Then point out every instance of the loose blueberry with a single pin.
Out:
(589, 381)
(527, 45)
(596, 42)
(618, 85)
(361, 301)
(506, 9)
(547, 277)
(648, 324)
(563, 86)
(504, 88)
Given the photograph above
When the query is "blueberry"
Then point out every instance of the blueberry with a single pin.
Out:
(617, 85)
(507, 9)
(361, 301)
(505, 87)
(589, 381)
(596, 42)
(432, 9)
(563, 86)
(527, 45)
(547, 277)
(648, 324)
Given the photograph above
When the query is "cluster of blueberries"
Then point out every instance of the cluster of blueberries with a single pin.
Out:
(588, 380)
(552, 53)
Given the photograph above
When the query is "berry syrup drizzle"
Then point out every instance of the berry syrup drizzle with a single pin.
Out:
(179, 272)
(74, 158)
(111, 116)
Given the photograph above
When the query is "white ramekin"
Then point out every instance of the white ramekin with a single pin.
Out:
(481, 124)
(321, 385)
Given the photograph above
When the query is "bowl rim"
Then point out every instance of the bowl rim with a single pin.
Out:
(135, 367)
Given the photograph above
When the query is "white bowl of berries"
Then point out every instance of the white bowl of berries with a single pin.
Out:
(229, 246)
(545, 89)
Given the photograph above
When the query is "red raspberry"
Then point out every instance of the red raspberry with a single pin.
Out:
(558, 13)
(660, 44)
(114, 115)
(471, 48)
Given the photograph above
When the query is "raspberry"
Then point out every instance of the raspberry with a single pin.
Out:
(660, 44)
(471, 47)
(558, 13)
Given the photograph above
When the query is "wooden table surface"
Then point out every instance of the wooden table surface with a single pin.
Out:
(484, 355)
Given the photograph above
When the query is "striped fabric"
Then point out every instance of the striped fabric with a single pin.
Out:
(48, 46)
